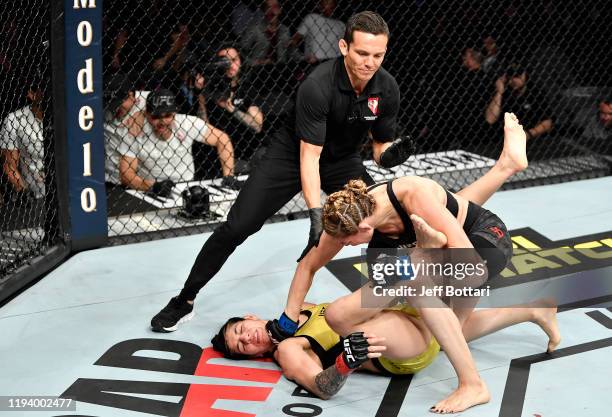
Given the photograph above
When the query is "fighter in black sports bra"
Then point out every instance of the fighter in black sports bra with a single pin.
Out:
(484, 230)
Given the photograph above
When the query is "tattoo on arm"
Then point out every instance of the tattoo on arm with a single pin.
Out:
(246, 119)
(329, 381)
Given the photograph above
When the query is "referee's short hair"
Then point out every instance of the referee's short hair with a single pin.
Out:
(366, 21)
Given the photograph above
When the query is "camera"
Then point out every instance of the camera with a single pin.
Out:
(213, 71)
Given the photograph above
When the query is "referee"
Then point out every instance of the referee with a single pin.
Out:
(337, 105)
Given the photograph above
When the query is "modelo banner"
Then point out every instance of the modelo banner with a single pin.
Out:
(84, 118)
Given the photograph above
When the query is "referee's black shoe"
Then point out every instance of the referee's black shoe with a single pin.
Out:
(175, 313)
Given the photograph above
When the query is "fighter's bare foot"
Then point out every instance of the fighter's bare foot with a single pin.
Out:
(514, 154)
(545, 316)
(427, 237)
(464, 397)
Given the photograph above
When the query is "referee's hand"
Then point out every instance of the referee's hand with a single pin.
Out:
(316, 229)
(400, 150)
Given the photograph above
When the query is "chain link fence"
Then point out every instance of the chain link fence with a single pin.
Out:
(230, 70)
(28, 205)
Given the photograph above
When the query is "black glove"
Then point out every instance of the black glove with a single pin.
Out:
(399, 151)
(316, 229)
(162, 188)
(231, 182)
(355, 353)
(281, 329)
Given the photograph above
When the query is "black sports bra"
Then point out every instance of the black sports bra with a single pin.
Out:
(408, 236)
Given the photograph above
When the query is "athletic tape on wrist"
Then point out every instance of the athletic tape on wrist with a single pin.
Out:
(286, 324)
(342, 367)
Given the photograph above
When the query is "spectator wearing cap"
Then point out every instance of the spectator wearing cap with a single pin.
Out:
(22, 147)
(320, 33)
(524, 100)
(158, 149)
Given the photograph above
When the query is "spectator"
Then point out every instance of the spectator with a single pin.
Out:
(168, 67)
(267, 42)
(191, 100)
(120, 103)
(231, 105)
(490, 63)
(244, 15)
(22, 146)
(528, 104)
(597, 125)
(455, 120)
(321, 33)
(469, 103)
(142, 39)
(158, 150)
(190, 97)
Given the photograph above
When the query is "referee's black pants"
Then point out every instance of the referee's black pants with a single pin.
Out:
(272, 184)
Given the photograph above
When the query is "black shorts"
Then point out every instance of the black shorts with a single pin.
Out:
(489, 237)
(486, 232)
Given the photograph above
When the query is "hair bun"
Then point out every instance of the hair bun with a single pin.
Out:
(356, 187)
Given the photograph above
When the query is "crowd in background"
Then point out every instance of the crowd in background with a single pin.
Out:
(232, 67)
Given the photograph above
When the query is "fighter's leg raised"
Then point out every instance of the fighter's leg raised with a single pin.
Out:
(513, 159)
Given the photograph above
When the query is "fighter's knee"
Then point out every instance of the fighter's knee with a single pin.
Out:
(336, 317)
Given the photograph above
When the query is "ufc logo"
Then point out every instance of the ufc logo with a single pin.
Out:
(497, 231)
(167, 100)
(348, 351)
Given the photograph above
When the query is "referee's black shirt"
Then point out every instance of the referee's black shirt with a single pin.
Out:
(329, 113)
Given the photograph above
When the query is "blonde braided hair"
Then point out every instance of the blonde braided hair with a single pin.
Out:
(345, 209)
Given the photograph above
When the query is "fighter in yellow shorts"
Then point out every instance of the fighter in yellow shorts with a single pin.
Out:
(393, 342)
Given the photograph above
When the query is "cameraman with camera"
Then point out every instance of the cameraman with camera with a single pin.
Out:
(214, 92)
(523, 99)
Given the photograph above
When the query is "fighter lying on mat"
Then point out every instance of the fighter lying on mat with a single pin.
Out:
(394, 342)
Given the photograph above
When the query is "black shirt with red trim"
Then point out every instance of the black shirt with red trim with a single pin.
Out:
(328, 113)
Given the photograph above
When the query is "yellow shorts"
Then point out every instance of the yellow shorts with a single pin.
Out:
(408, 366)
(411, 365)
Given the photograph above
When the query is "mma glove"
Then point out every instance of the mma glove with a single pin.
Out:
(316, 229)
(162, 188)
(281, 329)
(354, 355)
(399, 151)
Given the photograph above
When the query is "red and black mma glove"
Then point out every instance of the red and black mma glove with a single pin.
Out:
(398, 152)
(281, 329)
(354, 355)
(316, 229)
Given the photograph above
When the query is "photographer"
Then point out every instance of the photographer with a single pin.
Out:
(230, 104)
(523, 99)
